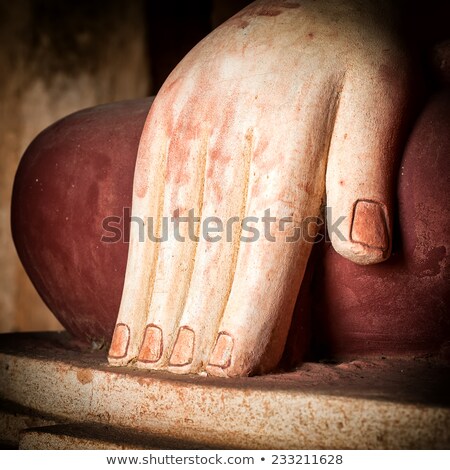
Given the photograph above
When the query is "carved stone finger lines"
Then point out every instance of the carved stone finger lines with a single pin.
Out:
(223, 344)
(215, 264)
(256, 320)
(184, 192)
(142, 253)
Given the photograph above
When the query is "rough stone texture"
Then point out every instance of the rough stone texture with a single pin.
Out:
(92, 437)
(15, 418)
(377, 404)
(60, 438)
(55, 58)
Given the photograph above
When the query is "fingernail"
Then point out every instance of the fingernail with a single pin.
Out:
(369, 225)
(120, 341)
(221, 356)
(152, 344)
(183, 350)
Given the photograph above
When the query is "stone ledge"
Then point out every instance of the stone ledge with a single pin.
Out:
(92, 437)
(14, 419)
(376, 404)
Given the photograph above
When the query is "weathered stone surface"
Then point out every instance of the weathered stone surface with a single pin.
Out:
(15, 418)
(92, 437)
(376, 404)
(63, 438)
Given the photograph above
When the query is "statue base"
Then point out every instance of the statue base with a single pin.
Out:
(55, 395)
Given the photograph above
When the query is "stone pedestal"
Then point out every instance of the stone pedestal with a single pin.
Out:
(55, 395)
